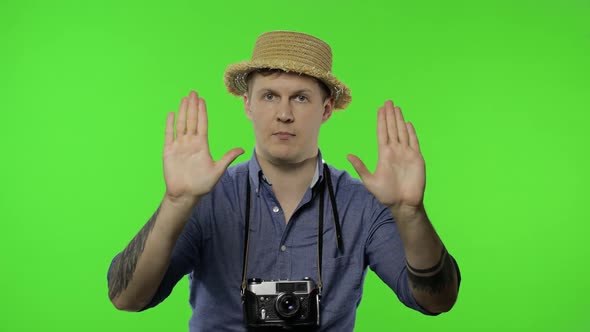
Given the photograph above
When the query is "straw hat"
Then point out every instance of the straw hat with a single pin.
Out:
(292, 52)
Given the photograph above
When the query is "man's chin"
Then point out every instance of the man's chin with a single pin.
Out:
(282, 156)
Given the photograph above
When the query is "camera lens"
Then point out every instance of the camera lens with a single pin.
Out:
(287, 305)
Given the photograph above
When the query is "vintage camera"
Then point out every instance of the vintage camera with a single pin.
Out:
(281, 303)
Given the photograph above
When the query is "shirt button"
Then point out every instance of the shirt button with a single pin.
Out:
(283, 247)
(275, 209)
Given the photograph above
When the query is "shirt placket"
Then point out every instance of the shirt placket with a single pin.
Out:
(280, 247)
(284, 232)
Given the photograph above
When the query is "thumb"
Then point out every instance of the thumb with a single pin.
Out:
(359, 166)
(229, 157)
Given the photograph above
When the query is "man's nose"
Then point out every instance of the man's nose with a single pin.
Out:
(285, 113)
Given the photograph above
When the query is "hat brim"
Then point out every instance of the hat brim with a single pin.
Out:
(236, 74)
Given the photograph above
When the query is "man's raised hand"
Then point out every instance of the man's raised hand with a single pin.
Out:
(189, 170)
(400, 178)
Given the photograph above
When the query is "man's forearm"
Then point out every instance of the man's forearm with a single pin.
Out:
(431, 271)
(139, 269)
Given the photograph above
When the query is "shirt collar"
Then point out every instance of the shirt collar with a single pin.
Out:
(256, 174)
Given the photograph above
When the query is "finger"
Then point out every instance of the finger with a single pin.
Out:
(169, 129)
(402, 131)
(359, 167)
(391, 123)
(229, 157)
(181, 119)
(202, 122)
(382, 136)
(414, 144)
(191, 120)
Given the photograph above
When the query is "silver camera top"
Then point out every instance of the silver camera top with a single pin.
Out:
(260, 287)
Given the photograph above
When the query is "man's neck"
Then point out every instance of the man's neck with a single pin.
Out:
(289, 181)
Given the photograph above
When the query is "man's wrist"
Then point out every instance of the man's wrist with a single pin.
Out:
(174, 212)
(408, 214)
(182, 202)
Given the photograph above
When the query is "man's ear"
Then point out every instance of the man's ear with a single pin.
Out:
(328, 109)
(247, 109)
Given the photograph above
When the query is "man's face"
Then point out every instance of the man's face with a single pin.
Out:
(286, 111)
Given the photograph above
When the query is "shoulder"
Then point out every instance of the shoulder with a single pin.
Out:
(225, 201)
(353, 193)
(347, 186)
(228, 188)
(234, 174)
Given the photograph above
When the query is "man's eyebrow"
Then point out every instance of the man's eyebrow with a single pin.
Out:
(303, 90)
(265, 90)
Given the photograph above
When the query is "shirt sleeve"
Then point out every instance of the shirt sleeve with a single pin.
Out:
(386, 257)
(184, 259)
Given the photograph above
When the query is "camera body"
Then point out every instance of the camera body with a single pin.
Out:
(281, 303)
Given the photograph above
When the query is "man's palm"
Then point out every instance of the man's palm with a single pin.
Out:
(189, 169)
(399, 179)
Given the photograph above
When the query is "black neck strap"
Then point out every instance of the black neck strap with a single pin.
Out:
(247, 235)
(326, 183)
(321, 236)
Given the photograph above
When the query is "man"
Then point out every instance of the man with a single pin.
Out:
(263, 218)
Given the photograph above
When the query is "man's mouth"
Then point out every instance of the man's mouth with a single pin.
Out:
(283, 135)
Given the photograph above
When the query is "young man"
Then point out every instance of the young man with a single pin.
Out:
(269, 215)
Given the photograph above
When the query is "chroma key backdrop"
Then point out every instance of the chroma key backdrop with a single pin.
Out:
(499, 93)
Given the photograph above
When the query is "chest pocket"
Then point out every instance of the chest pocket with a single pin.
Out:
(342, 277)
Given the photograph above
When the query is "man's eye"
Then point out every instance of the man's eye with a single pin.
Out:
(268, 96)
(301, 98)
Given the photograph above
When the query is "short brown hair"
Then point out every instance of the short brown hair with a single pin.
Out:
(324, 90)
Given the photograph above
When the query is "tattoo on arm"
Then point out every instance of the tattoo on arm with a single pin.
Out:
(433, 280)
(123, 269)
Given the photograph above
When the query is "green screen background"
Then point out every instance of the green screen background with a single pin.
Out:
(498, 92)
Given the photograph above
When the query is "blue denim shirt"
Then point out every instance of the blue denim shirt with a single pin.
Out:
(210, 248)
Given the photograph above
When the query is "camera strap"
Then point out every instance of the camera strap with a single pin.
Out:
(247, 236)
(339, 245)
